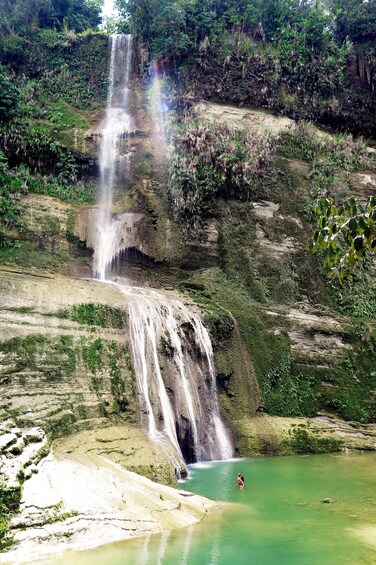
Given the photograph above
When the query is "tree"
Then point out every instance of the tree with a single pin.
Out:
(21, 16)
(354, 19)
(161, 23)
(77, 15)
(345, 234)
(316, 27)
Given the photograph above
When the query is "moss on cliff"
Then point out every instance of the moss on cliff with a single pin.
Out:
(100, 315)
(83, 379)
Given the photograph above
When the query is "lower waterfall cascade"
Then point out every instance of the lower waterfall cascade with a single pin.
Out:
(189, 415)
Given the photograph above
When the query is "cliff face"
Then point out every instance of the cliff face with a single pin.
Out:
(280, 344)
(65, 362)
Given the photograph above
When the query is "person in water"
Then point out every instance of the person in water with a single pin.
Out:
(240, 482)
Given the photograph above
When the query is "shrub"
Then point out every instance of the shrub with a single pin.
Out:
(211, 161)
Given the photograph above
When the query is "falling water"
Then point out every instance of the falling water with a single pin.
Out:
(172, 351)
(117, 126)
(186, 411)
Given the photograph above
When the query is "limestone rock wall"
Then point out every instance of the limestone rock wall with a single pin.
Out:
(58, 373)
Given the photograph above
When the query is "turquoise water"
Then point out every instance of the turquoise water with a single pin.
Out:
(278, 519)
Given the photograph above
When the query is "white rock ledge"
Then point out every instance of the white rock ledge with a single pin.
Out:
(80, 501)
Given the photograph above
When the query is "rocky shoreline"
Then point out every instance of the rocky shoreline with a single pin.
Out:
(80, 499)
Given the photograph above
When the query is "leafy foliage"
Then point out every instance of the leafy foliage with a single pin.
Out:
(304, 442)
(340, 153)
(54, 66)
(354, 19)
(38, 150)
(339, 224)
(18, 16)
(345, 234)
(190, 21)
(211, 161)
(44, 77)
(11, 190)
(280, 54)
(161, 22)
(15, 183)
(357, 299)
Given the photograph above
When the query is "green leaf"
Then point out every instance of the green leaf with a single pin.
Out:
(362, 222)
(358, 243)
(353, 226)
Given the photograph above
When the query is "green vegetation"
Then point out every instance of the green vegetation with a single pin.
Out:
(264, 347)
(304, 441)
(59, 77)
(212, 161)
(244, 262)
(12, 189)
(9, 96)
(19, 16)
(349, 395)
(346, 233)
(345, 236)
(117, 378)
(93, 354)
(52, 81)
(52, 515)
(9, 502)
(308, 60)
(329, 155)
(53, 358)
(24, 254)
(19, 181)
(40, 363)
(363, 287)
(286, 392)
(288, 388)
(96, 315)
(288, 55)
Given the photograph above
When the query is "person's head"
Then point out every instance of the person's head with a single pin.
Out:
(239, 474)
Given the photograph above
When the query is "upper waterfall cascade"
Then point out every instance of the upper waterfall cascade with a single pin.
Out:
(172, 351)
(117, 125)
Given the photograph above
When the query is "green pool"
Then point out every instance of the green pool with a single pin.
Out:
(278, 519)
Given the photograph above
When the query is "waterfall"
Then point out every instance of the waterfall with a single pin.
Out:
(117, 126)
(172, 351)
(188, 413)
